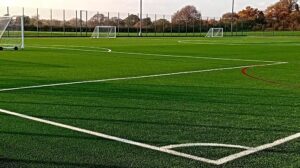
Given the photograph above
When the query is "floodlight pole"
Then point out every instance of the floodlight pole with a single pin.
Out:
(141, 17)
(232, 12)
(22, 28)
(7, 11)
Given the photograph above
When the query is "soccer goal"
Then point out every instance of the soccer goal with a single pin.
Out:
(11, 32)
(215, 32)
(105, 32)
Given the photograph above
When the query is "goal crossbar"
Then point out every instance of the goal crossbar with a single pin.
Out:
(104, 32)
(215, 32)
(3, 27)
(11, 32)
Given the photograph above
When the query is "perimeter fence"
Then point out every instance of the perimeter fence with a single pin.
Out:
(81, 23)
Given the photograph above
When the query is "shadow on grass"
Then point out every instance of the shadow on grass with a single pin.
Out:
(173, 90)
(13, 63)
(48, 135)
(256, 114)
(72, 137)
(30, 163)
(174, 124)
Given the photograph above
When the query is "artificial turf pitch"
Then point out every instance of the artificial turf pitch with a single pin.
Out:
(240, 106)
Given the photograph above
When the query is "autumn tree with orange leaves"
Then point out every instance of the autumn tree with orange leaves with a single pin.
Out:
(252, 18)
(188, 14)
(284, 14)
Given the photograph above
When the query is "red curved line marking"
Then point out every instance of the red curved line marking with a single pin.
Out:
(245, 73)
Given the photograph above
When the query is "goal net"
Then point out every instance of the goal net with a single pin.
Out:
(11, 32)
(105, 32)
(215, 32)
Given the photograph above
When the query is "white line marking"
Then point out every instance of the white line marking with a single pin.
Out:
(207, 43)
(109, 137)
(235, 44)
(161, 149)
(80, 47)
(156, 55)
(61, 47)
(206, 145)
(257, 149)
(135, 77)
(196, 57)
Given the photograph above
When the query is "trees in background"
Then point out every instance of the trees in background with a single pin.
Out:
(131, 20)
(97, 19)
(161, 25)
(147, 22)
(228, 17)
(283, 15)
(252, 18)
(252, 15)
(188, 14)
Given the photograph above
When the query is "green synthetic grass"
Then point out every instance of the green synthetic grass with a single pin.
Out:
(197, 33)
(210, 107)
(119, 34)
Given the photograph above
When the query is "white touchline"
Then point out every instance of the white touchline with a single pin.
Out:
(135, 77)
(143, 145)
(73, 49)
(196, 57)
(208, 43)
(257, 149)
(156, 55)
(205, 144)
(235, 44)
(113, 138)
(161, 149)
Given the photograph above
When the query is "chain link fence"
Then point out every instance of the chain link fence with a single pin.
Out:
(81, 23)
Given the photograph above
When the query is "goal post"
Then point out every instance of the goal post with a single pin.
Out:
(105, 32)
(11, 32)
(215, 32)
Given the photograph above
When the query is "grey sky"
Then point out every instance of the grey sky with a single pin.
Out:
(207, 7)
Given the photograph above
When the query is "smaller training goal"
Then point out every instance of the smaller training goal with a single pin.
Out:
(11, 32)
(215, 32)
(105, 32)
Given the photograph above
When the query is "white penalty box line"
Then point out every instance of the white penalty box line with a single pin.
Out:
(109, 137)
(137, 77)
(164, 149)
(106, 50)
(143, 145)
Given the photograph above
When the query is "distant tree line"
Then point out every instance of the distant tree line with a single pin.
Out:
(283, 15)
(186, 15)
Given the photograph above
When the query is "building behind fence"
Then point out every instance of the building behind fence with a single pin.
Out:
(73, 23)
